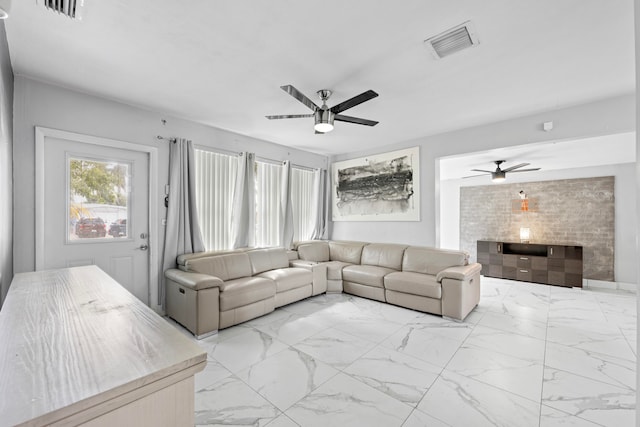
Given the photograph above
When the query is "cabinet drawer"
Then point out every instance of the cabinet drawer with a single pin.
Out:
(510, 273)
(483, 246)
(509, 260)
(524, 261)
(495, 270)
(538, 263)
(539, 276)
(495, 247)
(556, 264)
(484, 258)
(485, 270)
(554, 251)
(524, 274)
(556, 278)
(573, 280)
(573, 266)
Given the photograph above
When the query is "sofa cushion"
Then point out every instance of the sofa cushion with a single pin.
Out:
(383, 255)
(314, 251)
(424, 285)
(350, 252)
(370, 275)
(334, 269)
(225, 267)
(268, 259)
(431, 260)
(185, 258)
(289, 278)
(246, 290)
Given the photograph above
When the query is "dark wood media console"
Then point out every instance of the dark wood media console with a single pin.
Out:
(539, 263)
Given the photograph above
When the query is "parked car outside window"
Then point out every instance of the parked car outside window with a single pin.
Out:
(91, 228)
(118, 228)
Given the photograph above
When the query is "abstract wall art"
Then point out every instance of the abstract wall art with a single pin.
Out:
(381, 187)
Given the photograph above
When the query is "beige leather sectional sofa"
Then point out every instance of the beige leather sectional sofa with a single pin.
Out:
(215, 290)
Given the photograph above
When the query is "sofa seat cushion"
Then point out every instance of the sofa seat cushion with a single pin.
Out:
(424, 285)
(370, 275)
(334, 269)
(289, 278)
(246, 290)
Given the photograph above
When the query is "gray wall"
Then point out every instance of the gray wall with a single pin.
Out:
(40, 104)
(604, 117)
(572, 211)
(6, 166)
(626, 253)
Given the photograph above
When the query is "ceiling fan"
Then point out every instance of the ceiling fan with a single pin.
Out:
(499, 175)
(324, 116)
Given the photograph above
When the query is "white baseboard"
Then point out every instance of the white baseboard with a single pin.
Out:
(613, 286)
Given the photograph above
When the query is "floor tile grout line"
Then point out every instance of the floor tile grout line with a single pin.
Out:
(544, 362)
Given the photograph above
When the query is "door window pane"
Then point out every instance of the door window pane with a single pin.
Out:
(98, 194)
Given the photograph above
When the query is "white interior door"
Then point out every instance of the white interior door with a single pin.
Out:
(94, 209)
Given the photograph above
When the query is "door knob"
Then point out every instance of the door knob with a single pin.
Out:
(143, 247)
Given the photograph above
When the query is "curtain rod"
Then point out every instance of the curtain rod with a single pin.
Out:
(258, 158)
(166, 139)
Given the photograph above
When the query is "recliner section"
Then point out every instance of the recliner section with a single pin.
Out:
(215, 290)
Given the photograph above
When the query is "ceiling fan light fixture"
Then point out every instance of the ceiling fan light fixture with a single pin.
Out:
(323, 121)
(498, 176)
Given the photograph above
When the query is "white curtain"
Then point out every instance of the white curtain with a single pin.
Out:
(286, 209)
(243, 209)
(215, 179)
(268, 205)
(319, 198)
(182, 234)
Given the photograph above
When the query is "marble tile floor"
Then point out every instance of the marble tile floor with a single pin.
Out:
(528, 355)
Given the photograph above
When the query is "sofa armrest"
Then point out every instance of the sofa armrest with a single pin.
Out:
(191, 280)
(319, 271)
(460, 290)
(459, 272)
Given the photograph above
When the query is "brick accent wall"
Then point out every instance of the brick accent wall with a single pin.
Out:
(570, 211)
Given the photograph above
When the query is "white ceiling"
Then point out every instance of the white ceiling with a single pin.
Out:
(221, 62)
(548, 156)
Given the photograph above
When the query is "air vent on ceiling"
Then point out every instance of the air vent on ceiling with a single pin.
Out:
(68, 8)
(453, 40)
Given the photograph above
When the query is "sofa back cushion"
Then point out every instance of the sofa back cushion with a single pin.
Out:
(383, 255)
(431, 260)
(314, 251)
(183, 259)
(350, 252)
(225, 267)
(268, 259)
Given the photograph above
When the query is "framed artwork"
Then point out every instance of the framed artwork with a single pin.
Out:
(381, 187)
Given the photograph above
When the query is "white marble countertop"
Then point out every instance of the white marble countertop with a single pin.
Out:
(73, 338)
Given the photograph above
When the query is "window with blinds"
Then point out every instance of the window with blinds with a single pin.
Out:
(302, 203)
(215, 181)
(268, 218)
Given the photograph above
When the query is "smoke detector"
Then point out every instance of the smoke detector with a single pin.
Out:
(453, 40)
(68, 8)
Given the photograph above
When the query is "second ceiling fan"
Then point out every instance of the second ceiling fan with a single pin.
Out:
(325, 116)
(499, 175)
